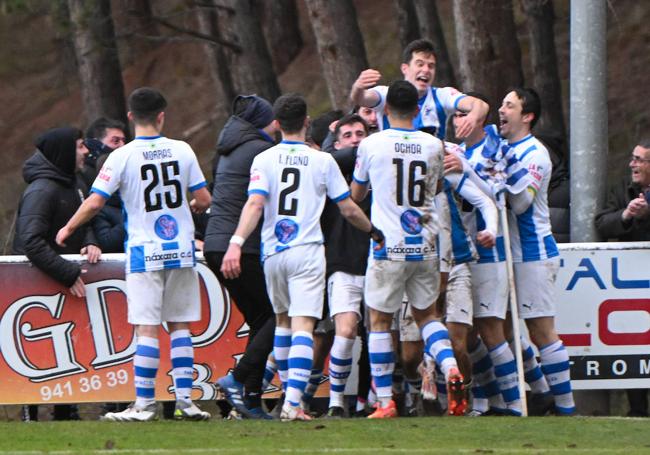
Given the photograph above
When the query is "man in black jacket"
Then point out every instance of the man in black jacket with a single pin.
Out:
(626, 218)
(50, 199)
(247, 133)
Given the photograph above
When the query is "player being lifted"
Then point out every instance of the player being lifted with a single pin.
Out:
(404, 167)
(152, 174)
(436, 104)
(289, 184)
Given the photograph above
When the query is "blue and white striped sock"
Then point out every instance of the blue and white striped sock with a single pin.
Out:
(315, 378)
(505, 370)
(438, 346)
(382, 364)
(182, 357)
(301, 356)
(485, 383)
(281, 347)
(340, 367)
(556, 368)
(269, 373)
(532, 372)
(145, 364)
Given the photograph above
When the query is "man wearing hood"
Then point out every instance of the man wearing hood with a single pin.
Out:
(47, 203)
(247, 133)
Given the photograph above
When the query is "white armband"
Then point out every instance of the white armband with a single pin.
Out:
(237, 239)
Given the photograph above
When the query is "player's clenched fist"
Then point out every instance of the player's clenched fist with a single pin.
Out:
(367, 79)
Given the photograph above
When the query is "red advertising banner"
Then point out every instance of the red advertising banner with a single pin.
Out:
(57, 348)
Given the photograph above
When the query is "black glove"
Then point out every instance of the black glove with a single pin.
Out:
(376, 234)
(96, 148)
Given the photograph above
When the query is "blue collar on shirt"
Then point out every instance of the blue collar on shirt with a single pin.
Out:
(409, 130)
(266, 136)
(291, 142)
(520, 141)
(148, 137)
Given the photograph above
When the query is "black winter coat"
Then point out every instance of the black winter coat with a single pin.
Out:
(49, 201)
(610, 225)
(239, 143)
(108, 226)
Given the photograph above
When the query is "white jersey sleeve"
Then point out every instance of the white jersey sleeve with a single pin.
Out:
(472, 194)
(337, 187)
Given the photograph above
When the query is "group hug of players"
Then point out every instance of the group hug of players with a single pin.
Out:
(435, 280)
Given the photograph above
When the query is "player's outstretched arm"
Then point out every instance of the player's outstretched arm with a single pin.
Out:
(201, 200)
(353, 213)
(250, 216)
(90, 207)
(360, 93)
(476, 110)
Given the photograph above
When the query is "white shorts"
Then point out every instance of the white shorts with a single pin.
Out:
(459, 295)
(295, 280)
(535, 283)
(490, 289)
(387, 281)
(345, 293)
(163, 295)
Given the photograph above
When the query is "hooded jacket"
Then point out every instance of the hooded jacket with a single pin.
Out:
(47, 204)
(238, 144)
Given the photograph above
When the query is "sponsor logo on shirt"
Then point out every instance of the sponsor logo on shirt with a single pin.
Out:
(286, 230)
(410, 221)
(166, 227)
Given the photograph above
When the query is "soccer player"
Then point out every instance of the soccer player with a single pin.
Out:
(535, 254)
(436, 104)
(404, 167)
(152, 174)
(289, 184)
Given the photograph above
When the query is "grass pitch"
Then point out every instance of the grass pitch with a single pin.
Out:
(484, 435)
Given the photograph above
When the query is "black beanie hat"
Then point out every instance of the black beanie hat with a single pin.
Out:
(254, 109)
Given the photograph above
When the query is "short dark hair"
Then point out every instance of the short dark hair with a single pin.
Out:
(349, 119)
(644, 143)
(145, 103)
(402, 99)
(485, 99)
(319, 127)
(419, 45)
(97, 129)
(290, 112)
(530, 102)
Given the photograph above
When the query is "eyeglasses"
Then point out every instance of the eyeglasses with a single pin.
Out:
(638, 159)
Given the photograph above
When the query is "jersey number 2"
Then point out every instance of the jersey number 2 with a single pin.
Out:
(173, 195)
(416, 186)
(293, 202)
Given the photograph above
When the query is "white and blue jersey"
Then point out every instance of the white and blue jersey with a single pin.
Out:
(530, 232)
(403, 167)
(435, 108)
(152, 175)
(472, 217)
(294, 179)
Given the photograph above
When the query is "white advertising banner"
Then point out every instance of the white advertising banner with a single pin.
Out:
(603, 317)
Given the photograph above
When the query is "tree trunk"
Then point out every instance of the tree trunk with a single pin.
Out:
(490, 57)
(407, 22)
(282, 31)
(431, 29)
(540, 21)
(340, 46)
(251, 68)
(100, 73)
(217, 60)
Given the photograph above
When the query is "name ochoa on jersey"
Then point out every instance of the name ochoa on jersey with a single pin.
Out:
(408, 148)
(157, 154)
(409, 250)
(168, 256)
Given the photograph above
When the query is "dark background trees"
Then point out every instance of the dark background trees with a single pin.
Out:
(200, 53)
